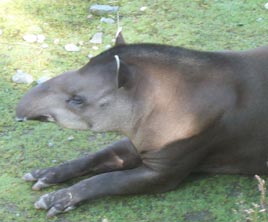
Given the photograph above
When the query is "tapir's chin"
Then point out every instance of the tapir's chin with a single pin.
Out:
(74, 125)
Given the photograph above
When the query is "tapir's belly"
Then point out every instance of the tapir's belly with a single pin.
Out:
(243, 145)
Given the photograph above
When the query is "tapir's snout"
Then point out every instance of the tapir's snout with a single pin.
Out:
(24, 112)
(21, 111)
(49, 102)
(31, 107)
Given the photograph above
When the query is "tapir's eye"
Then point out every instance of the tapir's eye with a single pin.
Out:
(76, 100)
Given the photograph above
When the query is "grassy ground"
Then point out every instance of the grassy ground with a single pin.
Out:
(199, 24)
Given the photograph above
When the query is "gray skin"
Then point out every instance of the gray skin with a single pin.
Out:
(181, 111)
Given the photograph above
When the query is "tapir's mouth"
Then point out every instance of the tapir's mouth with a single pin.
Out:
(41, 118)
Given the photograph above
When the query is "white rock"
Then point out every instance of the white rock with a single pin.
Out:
(44, 46)
(108, 46)
(266, 5)
(90, 56)
(71, 48)
(107, 20)
(97, 38)
(105, 220)
(21, 77)
(40, 38)
(103, 9)
(95, 47)
(142, 9)
(56, 41)
(30, 38)
(90, 16)
(42, 79)
(70, 138)
(1, 31)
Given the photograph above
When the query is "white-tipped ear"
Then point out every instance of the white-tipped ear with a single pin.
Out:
(117, 59)
(124, 75)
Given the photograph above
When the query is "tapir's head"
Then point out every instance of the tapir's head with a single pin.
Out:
(99, 96)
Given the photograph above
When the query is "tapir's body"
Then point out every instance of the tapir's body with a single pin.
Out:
(182, 110)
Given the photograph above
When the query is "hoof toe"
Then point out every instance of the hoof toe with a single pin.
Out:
(28, 177)
(41, 204)
(39, 185)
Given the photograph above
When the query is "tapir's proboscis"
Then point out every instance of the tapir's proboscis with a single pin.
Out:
(181, 111)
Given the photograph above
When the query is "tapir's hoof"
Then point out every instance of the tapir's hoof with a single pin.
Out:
(44, 178)
(41, 204)
(57, 202)
(40, 185)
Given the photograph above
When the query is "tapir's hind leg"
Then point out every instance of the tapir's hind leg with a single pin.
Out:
(118, 156)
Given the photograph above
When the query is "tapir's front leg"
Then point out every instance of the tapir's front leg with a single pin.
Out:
(159, 171)
(134, 181)
(118, 156)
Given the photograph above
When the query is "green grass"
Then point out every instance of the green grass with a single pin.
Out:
(199, 24)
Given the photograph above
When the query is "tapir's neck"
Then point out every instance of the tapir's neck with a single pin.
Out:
(167, 112)
(156, 121)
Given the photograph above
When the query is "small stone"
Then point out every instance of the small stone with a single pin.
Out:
(44, 46)
(103, 9)
(105, 220)
(108, 46)
(259, 19)
(142, 9)
(56, 41)
(54, 161)
(107, 20)
(266, 5)
(90, 56)
(70, 138)
(40, 38)
(95, 47)
(71, 48)
(97, 38)
(90, 16)
(30, 38)
(50, 144)
(21, 77)
(1, 31)
(42, 79)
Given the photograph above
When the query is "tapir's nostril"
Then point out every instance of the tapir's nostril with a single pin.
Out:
(21, 119)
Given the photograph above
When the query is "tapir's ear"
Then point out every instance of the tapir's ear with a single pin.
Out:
(124, 74)
(119, 39)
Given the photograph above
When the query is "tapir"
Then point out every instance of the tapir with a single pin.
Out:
(180, 110)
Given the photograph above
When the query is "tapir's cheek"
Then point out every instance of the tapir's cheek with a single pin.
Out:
(75, 125)
(70, 120)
